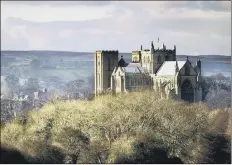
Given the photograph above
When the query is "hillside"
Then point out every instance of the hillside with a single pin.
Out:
(137, 127)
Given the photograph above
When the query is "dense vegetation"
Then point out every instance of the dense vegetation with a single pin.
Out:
(217, 91)
(137, 127)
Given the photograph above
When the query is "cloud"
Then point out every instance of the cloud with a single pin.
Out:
(65, 33)
(12, 41)
(216, 6)
(48, 13)
(87, 26)
(58, 3)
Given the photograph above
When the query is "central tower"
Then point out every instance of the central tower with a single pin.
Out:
(105, 62)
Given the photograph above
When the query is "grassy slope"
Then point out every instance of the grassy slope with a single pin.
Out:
(129, 128)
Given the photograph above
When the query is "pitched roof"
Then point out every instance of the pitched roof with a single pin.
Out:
(134, 64)
(134, 68)
(122, 62)
(168, 68)
(131, 69)
(143, 70)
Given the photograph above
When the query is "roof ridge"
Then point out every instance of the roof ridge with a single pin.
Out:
(160, 67)
(139, 69)
(167, 68)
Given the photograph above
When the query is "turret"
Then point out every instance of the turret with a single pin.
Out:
(152, 47)
(141, 48)
(187, 59)
(199, 63)
(198, 66)
(164, 47)
(174, 49)
(176, 67)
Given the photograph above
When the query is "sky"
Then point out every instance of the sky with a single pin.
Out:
(195, 27)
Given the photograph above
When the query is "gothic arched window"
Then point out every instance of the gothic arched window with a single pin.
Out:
(166, 58)
(98, 63)
(109, 64)
(109, 80)
(187, 93)
(148, 59)
(127, 80)
(187, 70)
(159, 59)
(99, 80)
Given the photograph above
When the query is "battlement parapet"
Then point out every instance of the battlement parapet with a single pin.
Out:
(164, 50)
(107, 51)
(136, 51)
(146, 50)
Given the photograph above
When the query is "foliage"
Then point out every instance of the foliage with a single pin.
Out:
(31, 85)
(13, 83)
(137, 127)
(217, 91)
(74, 86)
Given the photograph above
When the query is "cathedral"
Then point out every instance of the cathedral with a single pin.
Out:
(155, 68)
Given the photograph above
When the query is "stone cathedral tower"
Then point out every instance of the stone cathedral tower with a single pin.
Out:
(105, 62)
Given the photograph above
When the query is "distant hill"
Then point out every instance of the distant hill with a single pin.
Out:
(43, 52)
(207, 56)
(127, 56)
(55, 52)
(214, 56)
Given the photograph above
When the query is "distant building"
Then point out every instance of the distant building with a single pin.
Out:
(157, 69)
(21, 97)
(41, 95)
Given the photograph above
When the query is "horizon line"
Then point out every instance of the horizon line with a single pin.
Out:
(94, 51)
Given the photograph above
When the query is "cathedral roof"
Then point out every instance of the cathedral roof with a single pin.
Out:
(134, 64)
(143, 70)
(134, 68)
(122, 62)
(168, 68)
(131, 70)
